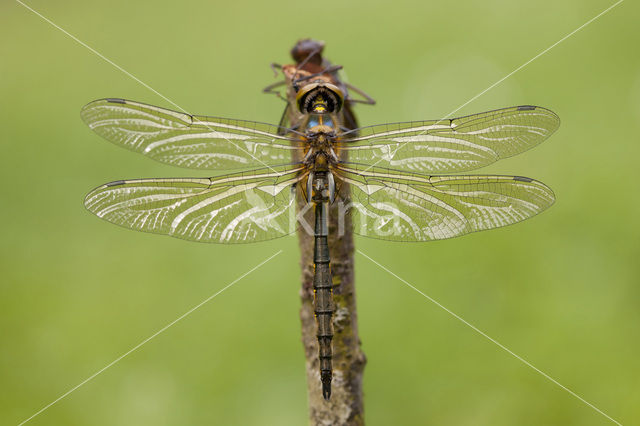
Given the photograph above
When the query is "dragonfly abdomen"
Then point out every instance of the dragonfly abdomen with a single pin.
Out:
(323, 295)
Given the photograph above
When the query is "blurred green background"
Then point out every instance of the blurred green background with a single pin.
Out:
(562, 290)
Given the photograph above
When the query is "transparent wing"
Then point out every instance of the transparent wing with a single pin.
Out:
(190, 141)
(236, 208)
(451, 145)
(406, 207)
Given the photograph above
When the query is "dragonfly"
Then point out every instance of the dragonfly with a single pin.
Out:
(310, 63)
(394, 181)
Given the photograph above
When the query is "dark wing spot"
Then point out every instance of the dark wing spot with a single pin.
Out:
(522, 179)
(526, 108)
(116, 100)
(115, 183)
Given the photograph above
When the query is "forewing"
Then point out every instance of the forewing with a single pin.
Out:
(451, 145)
(237, 208)
(190, 141)
(405, 207)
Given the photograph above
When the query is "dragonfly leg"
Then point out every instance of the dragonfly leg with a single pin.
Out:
(368, 100)
(271, 89)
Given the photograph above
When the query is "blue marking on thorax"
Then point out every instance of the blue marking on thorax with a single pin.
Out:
(316, 120)
(313, 121)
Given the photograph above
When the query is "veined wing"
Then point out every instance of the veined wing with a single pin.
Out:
(237, 208)
(451, 145)
(406, 207)
(190, 141)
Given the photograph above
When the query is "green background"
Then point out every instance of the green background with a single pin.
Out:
(562, 289)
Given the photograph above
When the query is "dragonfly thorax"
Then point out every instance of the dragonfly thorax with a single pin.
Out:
(320, 154)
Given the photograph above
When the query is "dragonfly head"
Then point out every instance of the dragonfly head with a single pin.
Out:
(319, 97)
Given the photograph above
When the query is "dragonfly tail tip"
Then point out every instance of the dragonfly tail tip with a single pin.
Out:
(326, 391)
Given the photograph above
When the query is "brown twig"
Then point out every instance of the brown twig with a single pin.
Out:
(346, 404)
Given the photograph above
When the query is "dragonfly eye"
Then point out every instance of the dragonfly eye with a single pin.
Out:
(319, 98)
